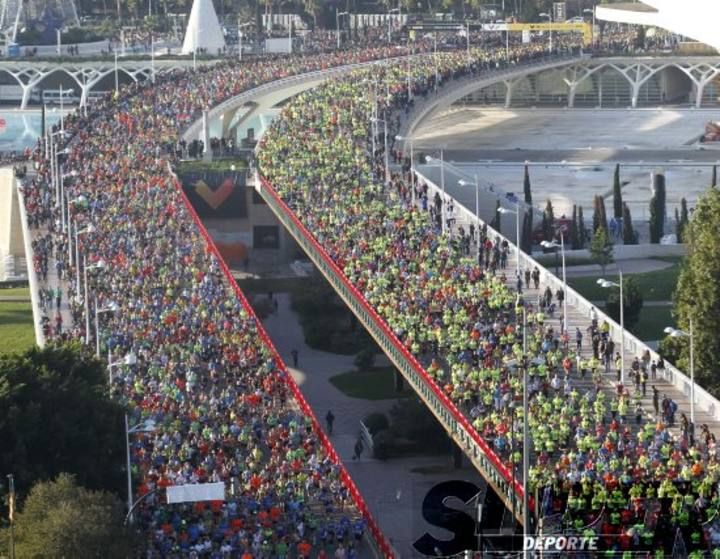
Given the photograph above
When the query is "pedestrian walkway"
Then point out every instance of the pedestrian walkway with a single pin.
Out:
(392, 490)
(639, 266)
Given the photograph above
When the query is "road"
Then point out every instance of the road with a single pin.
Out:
(679, 156)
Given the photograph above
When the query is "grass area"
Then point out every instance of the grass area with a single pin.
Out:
(655, 286)
(15, 292)
(377, 383)
(16, 327)
(652, 322)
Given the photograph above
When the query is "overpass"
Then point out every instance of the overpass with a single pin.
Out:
(88, 75)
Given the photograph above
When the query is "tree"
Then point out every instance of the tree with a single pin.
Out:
(526, 186)
(617, 194)
(697, 295)
(61, 519)
(628, 233)
(575, 231)
(657, 208)
(57, 417)
(632, 302)
(601, 249)
(682, 220)
(582, 231)
(549, 222)
(599, 215)
(527, 233)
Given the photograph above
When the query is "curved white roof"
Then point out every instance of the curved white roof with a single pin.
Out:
(697, 19)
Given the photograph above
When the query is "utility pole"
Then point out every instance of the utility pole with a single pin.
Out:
(11, 516)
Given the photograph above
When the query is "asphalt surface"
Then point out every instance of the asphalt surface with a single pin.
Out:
(600, 155)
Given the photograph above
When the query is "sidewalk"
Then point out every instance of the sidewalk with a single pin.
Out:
(391, 489)
(638, 266)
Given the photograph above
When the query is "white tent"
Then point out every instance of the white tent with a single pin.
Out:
(203, 30)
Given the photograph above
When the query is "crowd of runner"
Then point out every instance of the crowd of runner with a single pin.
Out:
(184, 351)
(596, 458)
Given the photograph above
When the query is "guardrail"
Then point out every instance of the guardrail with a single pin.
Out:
(384, 547)
(703, 399)
(457, 425)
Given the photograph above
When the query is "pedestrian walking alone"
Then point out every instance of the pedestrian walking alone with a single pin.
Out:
(295, 356)
(329, 419)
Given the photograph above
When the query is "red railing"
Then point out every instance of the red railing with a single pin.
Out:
(382, 543)
(419, 369)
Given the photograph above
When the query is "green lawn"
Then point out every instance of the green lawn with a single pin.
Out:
(15, 292)
(652, 322)
(655, 286)
(16, 327)
(376, 384)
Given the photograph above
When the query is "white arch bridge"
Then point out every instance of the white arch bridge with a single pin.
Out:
(84, 76)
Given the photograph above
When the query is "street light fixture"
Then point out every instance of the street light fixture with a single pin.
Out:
(412, 164)
(429, 159)
(387, 156)
(502, 210)
(99, 265)
(147, 426)
(112, 307)
(337, 24)
(89, 229)
(608, 284)
(561, 245)
(477, 214)
(676, 333)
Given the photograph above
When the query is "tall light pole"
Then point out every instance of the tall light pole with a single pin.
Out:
(606, 284)
(412, 165)
(477, 215)
(390, 11)
(517, 240)
(549, 18)
(387, 156)
(99, 265)
(147, 426)
(442, 186)
(240, 37)
(11, 515)
(112, 307)
(675, 333)
(561, 245)
(337, 25)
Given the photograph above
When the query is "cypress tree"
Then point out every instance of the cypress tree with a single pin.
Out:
(575, 231)
(549, 222)
(599, 215)
(582, 232)
(526, 186)
(713, 182)
(657, 208)
(628, 232)
(683, 221)
(617, 194)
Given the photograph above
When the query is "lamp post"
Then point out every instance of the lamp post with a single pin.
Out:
(129, 359)
(477, 214)
(390, 11)
(99, 265)
(442, 186)
(412, 165)
(554, 244)
(549, 18)
(337, 25)
(385, 140)
(147, 426)
(607, 284)
(88, 229)
(517, 235)
(240, 37)
(675, 333)
(112, 307)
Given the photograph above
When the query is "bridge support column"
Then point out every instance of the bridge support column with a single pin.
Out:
(571, 95)
(207, 154)
(508, 92)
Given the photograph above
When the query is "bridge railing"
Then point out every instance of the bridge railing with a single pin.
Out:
(458, 426)
(703, 399)
(384, 547)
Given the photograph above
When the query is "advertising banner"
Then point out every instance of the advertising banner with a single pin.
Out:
(216, 194)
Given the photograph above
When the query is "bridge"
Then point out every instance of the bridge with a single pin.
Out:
(88, 75)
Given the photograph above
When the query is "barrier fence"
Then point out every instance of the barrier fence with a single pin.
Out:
(380, 541)
(483, 457)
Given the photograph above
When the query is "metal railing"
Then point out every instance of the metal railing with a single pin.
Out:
(384, 548)
(497, 474)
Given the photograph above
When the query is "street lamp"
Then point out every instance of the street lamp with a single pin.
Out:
(607, 284)
(88, 229)
(130, 359)
(502, 210)
(554, 244)
(337, 24)
(147, 426)
(442, 186)
(390, 11)
(99, 265)
(477, 214)
(385, 139)
(549, 18)
(240, 36)
(112, 307)
(675, 333)
(412, 164)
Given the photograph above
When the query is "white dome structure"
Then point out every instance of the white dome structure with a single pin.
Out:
(203, 30)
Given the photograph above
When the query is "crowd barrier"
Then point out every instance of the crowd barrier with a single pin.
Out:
(383, 545)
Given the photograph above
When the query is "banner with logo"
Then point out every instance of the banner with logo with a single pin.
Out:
(196, 492)
(216, 194)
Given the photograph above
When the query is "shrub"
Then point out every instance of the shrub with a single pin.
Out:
(382, 444)
(376, 422)
(365, 359)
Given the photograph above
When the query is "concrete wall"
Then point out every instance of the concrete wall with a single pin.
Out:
(632, 252)
(674, 84)
(12, 248)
